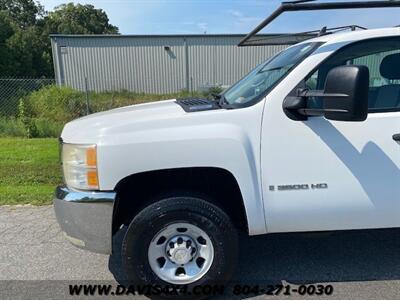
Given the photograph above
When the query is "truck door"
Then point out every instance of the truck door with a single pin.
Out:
(329, 175)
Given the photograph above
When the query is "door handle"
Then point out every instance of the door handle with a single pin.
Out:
(396, 137)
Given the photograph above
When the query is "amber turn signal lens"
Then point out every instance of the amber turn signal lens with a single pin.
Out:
(91, 158)
(92, 179)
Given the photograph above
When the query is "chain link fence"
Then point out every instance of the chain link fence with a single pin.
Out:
(12, 90)
(40, 107)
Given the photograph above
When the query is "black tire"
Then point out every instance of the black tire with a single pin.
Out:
(152, 219)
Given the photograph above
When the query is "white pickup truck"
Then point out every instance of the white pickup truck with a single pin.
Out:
(307, 141)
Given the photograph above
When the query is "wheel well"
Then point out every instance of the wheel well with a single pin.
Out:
(215, 185)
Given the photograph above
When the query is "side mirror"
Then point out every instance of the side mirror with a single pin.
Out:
(351, 83)
(345, 97)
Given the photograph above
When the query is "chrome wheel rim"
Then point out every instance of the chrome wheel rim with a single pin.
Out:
(181, 253)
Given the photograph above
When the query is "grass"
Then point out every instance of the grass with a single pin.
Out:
(29, 170)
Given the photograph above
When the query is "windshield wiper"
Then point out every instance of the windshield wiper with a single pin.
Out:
(220, 99)
(273, 69)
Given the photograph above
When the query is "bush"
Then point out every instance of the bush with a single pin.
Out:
(63, 104)
(108, 100)
(44, 112)
(11, 127)
(45, 128)
(36, 128)
(212, 92)
(58, 104)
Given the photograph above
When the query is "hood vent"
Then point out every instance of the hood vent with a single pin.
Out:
(197, 104)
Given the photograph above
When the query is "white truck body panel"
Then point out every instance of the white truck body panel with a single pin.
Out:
(352, 158)
(260, 146)
(161, 135)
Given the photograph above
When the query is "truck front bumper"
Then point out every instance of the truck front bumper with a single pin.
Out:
(86, 218)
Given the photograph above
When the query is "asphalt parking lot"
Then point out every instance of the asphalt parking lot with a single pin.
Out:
(37, 263)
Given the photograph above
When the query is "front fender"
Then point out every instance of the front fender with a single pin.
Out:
(225, 146)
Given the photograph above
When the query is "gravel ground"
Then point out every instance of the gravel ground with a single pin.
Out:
(37, 263)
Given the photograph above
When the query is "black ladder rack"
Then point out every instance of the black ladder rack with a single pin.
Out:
(312, 5)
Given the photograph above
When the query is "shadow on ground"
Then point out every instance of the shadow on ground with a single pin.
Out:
(300, 258)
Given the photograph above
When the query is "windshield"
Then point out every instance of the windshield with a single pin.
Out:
(264, 76)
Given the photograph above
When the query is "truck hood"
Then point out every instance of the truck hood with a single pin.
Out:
(92, 128)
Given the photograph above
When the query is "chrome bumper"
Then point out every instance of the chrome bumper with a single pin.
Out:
(86, 218)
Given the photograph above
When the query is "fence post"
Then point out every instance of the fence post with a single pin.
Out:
(87, 96)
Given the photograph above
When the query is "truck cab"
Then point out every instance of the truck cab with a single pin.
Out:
(307, 141)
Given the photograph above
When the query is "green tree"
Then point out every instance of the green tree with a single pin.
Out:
(24, 13)
(22, 44)
(25, 48)
(21, 48)
(6, 31)
(79, 19)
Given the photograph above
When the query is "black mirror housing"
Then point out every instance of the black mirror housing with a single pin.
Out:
(345, 97)
(351, 84)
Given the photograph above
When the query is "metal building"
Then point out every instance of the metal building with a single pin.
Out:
(153, 64)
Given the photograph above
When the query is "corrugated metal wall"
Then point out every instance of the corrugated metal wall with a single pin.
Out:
(215, 60)
(144, 64)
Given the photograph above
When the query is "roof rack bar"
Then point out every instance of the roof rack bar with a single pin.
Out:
(302, 35)
(310, 6)
(326, 30)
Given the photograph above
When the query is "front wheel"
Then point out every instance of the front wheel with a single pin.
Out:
(180, 241)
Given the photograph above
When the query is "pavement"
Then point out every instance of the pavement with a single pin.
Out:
(37, 263)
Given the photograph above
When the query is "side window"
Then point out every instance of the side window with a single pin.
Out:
(382, 57)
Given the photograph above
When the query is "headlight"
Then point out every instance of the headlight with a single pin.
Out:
(80, 166)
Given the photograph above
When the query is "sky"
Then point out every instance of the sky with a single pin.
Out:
(224, 16)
